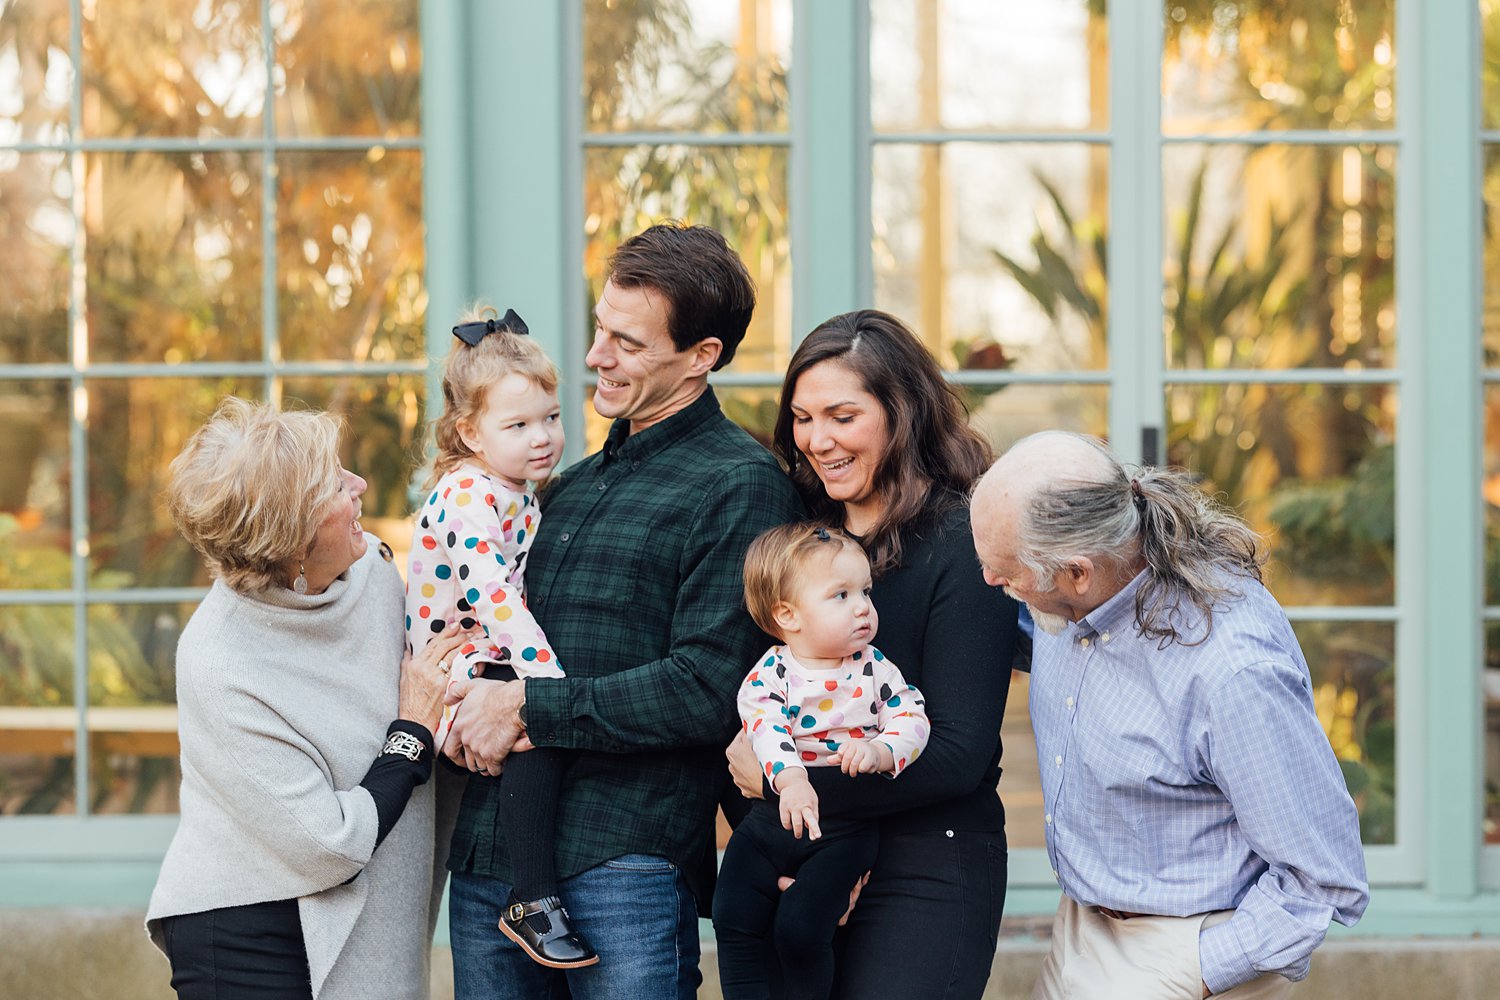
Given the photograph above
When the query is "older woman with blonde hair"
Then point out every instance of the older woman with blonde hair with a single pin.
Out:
(305, 862)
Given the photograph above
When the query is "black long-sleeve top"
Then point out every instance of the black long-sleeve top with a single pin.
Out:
(954, 637)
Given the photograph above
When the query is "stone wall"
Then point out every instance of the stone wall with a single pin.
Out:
(102, 954)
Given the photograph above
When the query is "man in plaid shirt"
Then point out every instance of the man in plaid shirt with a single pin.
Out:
(636, 579)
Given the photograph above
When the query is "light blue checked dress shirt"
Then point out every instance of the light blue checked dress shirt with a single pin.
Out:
(1189, 779)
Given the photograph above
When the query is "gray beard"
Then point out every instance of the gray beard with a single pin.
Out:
(1049, 623)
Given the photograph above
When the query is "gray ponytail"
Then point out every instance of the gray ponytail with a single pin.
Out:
(1192, 545)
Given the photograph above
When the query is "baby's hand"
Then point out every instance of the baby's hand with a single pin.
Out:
(798, 802)
(863, 757)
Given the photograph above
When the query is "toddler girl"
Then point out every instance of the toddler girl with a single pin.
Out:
(501, 430)
(825, 697)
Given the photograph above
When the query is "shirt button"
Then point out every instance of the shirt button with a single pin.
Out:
(1104, 637)
(565, 536)
(1082, 642)
(602, 485)
(950, 833)
(1048, 818)
(1058, 761)
(1055, 875)
(1070, 700)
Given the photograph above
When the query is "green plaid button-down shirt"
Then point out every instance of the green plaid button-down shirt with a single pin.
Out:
(636, 577)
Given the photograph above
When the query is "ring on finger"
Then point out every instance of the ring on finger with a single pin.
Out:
(445, 665)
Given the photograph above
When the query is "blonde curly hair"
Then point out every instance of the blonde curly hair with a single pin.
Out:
(250, 486)
(467, 376)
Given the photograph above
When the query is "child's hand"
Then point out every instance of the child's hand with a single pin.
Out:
(799, 803)
(863, 757)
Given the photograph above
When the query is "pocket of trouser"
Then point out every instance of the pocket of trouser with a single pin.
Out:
(647, 864)
(995, 857)
(1194, 960)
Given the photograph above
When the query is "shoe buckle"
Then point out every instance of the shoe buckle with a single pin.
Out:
(516, 913)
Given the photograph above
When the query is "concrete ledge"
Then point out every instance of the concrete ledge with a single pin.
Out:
(102, 954)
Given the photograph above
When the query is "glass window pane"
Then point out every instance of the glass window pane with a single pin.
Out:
(1004, 414)
(753, 407)
(350, 255)
(995, 254)
(1279, 256)
(1312, 468)
(36, 214)
(739, 190)
(1491, 488)
(174, 256)
(384, 441)
(36, 72)
(132, 714)
(347, 67)
(1021, 776)
(989, 64)
(36, 539)
(1490, 692)
(691, 66)
(135, 428)
(1491, 257)
(38, 721)
(1489, 17)
(173, 68)
(1235, 67)
(1353, 668)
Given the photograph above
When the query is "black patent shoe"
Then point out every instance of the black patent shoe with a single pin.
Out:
(543, 931)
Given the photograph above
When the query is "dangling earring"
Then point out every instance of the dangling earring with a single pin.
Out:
(299, 585)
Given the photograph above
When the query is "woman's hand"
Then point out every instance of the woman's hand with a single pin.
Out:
(424, 678)
(785, 882)
(744, 767)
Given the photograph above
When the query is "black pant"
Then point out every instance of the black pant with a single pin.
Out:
(530, 787)
(239, 953)
(749, 909)
(927, 924)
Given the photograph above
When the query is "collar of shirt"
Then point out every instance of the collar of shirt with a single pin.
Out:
(1114, 615)
(621, 445)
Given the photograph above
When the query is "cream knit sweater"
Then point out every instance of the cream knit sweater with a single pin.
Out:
(283, 702)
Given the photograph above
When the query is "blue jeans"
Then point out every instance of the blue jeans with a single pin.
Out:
(636, 911)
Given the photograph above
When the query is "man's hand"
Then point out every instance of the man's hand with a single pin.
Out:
(785, 882)
(863, 757)
(489, 727)
(798, 801)
(744, 768)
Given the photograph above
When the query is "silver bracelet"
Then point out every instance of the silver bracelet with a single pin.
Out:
(404, 744)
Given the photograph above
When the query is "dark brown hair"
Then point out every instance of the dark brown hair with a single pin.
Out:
(708, 290)
(933, 457)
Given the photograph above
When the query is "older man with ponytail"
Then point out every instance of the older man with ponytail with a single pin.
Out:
(1196, 818)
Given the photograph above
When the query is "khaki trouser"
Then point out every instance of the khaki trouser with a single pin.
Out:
(1095, 957)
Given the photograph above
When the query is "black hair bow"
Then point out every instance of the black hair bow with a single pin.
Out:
(473, 333)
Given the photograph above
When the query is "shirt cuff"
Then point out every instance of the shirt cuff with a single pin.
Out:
(1223, 960)
(545, 707)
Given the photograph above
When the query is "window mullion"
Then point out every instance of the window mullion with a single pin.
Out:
(1437, 106)
(78, 419)
(830, 160)
(1135, 231)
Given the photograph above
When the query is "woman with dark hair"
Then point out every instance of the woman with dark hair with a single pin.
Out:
(878, 443)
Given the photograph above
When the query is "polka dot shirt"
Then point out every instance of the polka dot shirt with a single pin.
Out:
(468, 564)
(797, 717)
